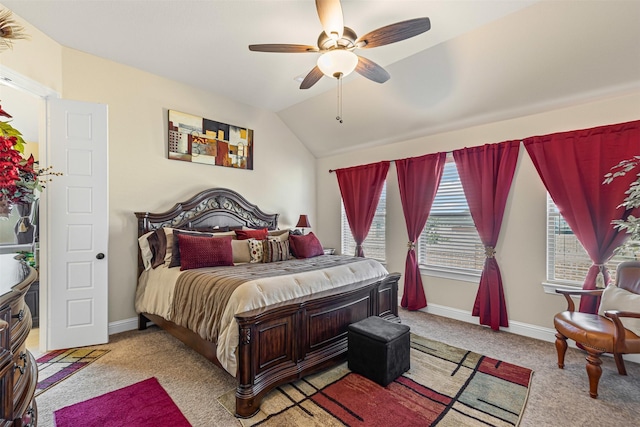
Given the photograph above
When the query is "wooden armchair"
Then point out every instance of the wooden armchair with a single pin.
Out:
(598, 334)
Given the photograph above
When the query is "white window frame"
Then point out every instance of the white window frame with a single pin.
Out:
(450, 202)
(559, 235)
(374, 246)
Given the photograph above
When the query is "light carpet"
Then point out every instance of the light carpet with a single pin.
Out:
(446, 386)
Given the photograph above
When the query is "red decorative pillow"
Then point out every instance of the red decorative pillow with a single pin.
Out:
(305, 246)
(260, 234)
(175, 246)
(198, 252)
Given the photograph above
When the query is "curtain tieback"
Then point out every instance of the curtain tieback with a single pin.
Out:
(411, 246)
(600, 276)
(489, 251)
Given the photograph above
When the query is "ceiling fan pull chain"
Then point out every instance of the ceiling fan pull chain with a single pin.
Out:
(339, 116)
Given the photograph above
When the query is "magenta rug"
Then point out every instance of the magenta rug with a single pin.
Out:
(144, 404)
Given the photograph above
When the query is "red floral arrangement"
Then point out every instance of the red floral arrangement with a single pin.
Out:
(19, 177)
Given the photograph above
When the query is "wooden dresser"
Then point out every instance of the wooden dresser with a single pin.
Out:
(18, 368)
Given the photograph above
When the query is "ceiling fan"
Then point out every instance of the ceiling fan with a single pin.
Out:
(337, 43)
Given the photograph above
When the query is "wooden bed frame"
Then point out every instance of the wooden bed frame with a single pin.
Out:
(282, 342)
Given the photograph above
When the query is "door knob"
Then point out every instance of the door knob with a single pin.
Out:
(100, 255)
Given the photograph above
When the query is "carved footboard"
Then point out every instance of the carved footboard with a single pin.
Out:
(285, 342)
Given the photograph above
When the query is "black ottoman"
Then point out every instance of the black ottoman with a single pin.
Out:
(379, 349)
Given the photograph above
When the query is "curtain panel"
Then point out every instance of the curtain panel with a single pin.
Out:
(572, 166)
(360, 188)
(486, 173)
(418, 179)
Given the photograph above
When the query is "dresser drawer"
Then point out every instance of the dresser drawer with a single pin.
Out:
(25, 378)
(5, 333)
(6, 381)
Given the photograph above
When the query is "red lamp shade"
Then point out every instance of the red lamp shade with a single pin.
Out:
(303, 222)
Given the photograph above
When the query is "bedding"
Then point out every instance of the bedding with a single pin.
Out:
(199, 252)
(306, 246)
(205, 300)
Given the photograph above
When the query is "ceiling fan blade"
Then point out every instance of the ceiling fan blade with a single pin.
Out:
(283, 48)
(330, 14)
(312, 78)
(371, 70)
(394, 33)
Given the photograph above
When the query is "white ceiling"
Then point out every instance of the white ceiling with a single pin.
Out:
(481, 61)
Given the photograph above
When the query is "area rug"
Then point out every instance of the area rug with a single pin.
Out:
(143, 404)
(59, 365)
(446, 386)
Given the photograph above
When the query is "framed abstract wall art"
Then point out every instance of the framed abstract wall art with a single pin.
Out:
(199, 140)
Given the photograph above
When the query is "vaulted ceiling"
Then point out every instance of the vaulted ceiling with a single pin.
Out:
(482, 60)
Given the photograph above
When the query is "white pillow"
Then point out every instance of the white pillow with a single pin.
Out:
(167, 255)
(240, 249)
(145, 250)
(615, 298)
(223, 233)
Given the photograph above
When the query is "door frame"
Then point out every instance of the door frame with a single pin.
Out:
(20, 82)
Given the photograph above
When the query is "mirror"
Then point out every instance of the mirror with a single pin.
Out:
(18, 231)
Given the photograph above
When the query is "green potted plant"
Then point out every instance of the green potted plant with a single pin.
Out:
(632, 200)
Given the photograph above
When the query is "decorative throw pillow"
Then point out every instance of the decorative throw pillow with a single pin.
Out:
(252, 234)
(240, 249)
(168, 233)
(274, 249)
(175, 246)
(145, 250)
(224, 233)
(615, 298)
(158, 244)
(278, 234)
(305, 246)
(199, 252)
(274, 233)
(255, 250)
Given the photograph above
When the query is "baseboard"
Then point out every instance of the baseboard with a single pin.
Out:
(518, 328)
(123, 325)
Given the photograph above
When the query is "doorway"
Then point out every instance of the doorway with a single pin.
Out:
(27, 109)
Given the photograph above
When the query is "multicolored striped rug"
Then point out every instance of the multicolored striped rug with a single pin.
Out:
(59, 365)
(445, 386)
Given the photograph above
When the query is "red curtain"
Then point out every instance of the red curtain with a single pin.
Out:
(418, 179)
(360, 187)
(572, 166)
(486, 173)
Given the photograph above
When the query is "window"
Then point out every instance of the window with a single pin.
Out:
(374, 245)
(567, 261)
(450, 240)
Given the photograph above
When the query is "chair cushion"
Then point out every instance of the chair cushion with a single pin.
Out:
(593, 331)
(615, 298)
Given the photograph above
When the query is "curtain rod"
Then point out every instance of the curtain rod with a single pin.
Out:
(446, 152)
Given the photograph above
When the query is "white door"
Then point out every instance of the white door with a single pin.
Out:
(77, 207)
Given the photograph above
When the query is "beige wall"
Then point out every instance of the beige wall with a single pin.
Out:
(141, 178)
(37, 58)
(521, 248)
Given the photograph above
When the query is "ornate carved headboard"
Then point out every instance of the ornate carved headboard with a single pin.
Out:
(216, 207)
(210, 208)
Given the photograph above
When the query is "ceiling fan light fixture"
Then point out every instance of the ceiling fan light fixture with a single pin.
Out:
(337, 63)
